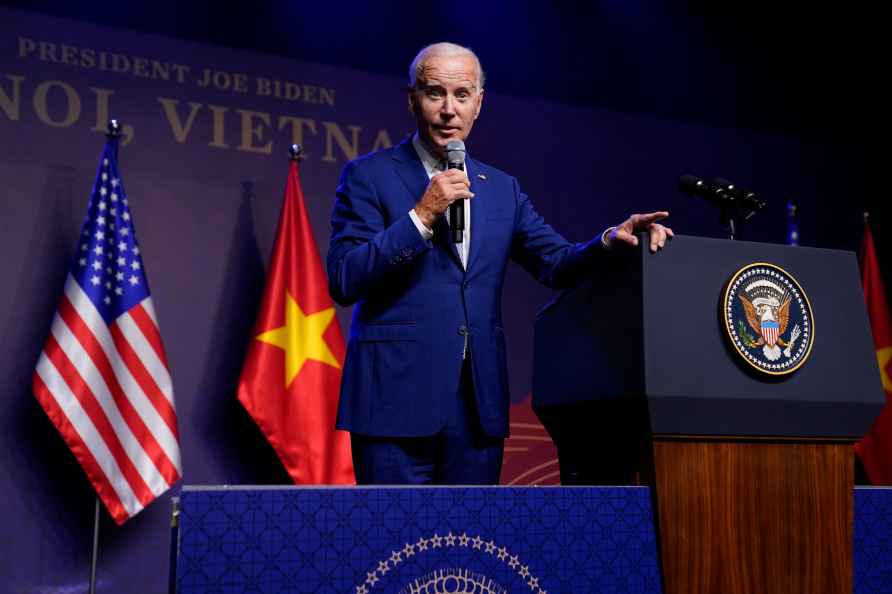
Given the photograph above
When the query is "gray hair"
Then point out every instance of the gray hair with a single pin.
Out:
(416, 68)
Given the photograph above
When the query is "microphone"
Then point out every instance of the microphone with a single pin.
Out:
(720, 192)
(732, 201)
(741, 195)
(693, 185)
(455, 159)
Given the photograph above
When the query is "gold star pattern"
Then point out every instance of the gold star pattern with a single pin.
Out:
(301, 338)
(884, 358)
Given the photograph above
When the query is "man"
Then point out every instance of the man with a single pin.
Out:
(424, 392)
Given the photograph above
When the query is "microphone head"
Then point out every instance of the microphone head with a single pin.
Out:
(455, 145)
(723, 183)
(690, 184)
(743, 195)
(455, 151)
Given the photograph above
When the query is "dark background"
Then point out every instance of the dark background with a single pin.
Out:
(801, 68)
(810, 70)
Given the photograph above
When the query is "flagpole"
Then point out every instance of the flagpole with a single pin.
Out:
(114, 132)
(294, 153)
(174, 545)
(95, 555)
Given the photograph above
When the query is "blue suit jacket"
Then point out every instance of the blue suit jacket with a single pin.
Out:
(414, 301)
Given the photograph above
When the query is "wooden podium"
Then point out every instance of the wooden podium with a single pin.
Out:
(754, 517)
(752, 475)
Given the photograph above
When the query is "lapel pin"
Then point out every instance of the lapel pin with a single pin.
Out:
(481, 176)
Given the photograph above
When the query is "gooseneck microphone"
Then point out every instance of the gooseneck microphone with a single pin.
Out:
(741, 195)
(719, 192)
(733, 202)
(455, 159)
(694, 186)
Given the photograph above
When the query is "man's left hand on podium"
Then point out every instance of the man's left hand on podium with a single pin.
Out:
(624, 233)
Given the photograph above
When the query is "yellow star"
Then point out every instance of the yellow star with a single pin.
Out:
(884, 357)
(301, 338)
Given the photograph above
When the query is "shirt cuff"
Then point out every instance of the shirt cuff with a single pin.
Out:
(604, 235)
(426, 232)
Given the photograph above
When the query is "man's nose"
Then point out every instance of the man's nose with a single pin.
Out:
(447, 109)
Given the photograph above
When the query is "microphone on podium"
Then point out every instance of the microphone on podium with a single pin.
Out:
(720, 192)
(733, 202)
(694, 186)
(741, 195)
(455, 159)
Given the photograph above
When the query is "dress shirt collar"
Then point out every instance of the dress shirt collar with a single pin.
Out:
(432, 163)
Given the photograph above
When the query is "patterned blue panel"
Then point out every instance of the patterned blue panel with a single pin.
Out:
(873, 540)
(417, 540)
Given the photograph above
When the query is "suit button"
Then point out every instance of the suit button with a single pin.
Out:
(465, 285)
(463, 330)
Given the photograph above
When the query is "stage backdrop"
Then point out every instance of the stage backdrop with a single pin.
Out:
(204, 162)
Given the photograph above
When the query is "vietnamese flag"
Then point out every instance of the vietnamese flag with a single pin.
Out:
(292, 373)
(875, 450)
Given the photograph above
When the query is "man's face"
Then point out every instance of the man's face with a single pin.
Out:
(446, 101)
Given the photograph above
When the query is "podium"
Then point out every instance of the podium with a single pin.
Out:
(752, 473)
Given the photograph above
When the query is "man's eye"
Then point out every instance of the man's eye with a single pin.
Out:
(435, 93)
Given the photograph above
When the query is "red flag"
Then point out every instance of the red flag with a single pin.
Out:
(875, 450)
(102, 376)
(292, 372)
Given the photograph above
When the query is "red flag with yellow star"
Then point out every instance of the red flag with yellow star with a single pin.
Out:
(875, 450)
(292, 373)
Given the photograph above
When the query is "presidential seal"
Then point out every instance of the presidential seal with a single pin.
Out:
(768, 318)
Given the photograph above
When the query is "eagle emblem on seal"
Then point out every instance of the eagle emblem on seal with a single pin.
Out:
(768, 318)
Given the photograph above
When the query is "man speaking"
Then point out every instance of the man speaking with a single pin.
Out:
(424, 392)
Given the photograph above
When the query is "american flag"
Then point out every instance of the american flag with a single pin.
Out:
(103, 377)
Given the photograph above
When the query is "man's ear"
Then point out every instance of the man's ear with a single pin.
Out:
(410, 95)
(479, 104)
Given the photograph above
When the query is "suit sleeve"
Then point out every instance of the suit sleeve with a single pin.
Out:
(543, 252)
(364, 250)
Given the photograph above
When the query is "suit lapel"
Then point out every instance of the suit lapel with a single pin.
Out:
(443, 235)
(479, 204)
(409, 168)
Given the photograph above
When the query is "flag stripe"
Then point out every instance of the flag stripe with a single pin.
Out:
(149, 328)
(136, 422)
(82, 378)
(69, 393)
(157, 412)
(97, 460)
(149, 308)
(142, 377)
(146, 353)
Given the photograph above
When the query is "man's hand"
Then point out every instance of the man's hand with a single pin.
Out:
(444, 189)
(625, 232)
